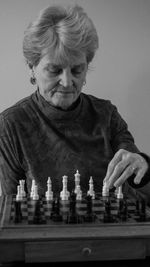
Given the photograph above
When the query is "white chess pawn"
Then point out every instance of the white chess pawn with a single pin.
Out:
(105, 190)
(32, 188)
(35, 195)
(116, 191)
(119, 193)
(91, 188)
(49, 193)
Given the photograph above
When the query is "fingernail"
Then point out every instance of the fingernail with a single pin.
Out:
(104, 181)
(136, 181)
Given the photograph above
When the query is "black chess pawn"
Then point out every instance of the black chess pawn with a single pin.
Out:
(143, 211)
(122, 210)
(37, 213)
(90, 216)
(72, 214)
(18, 212)
(108, 218)
(140, 212)
(137, 211)
(55, 214)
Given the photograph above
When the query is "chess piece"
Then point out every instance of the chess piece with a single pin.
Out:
(22, 185)
(143, 211)
(18, 212)
(108, 218)
(119, 193)
(32, 188)
(19, 196)
(37, 215)
(35, 195)
(137, 211)
(64, 194)
(105, 190)
(55, 214)
(122, 210)
(49, 193)
(77, 189)
(91, 188)
(77, 181)
(72, 215)
(116, 191)
(89, 216)
(78, 193)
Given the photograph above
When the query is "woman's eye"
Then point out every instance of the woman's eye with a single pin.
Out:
(55, 71)
(76, 71)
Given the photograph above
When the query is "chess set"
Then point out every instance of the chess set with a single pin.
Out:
(72, 208)
(73, 226)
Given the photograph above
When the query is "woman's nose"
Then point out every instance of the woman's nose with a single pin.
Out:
(66, 78)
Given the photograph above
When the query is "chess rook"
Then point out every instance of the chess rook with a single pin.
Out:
(19, 195)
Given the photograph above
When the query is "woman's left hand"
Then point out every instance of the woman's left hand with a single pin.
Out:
(122, 166)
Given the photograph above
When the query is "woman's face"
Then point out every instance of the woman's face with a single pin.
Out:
(60, 84)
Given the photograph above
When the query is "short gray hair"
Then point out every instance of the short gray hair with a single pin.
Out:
(67, 31)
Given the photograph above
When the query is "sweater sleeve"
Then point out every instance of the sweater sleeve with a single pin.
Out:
(10, 169)
(121, 138)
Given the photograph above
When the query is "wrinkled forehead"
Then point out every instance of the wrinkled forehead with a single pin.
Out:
(64, 59)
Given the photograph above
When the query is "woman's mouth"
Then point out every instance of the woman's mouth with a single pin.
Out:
(65, 92)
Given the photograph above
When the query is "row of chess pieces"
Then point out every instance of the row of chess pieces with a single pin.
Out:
(64, 194)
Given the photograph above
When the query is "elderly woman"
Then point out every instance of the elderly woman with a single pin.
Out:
(58, 129)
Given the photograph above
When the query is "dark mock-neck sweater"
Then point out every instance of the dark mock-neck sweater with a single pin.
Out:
(38, 141)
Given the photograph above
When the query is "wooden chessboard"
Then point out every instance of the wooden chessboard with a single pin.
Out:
(55, 241)
(120, 211)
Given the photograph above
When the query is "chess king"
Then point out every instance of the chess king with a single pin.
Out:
(58, 129)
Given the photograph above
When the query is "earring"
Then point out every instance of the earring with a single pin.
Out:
(33, 79)
(84, 83)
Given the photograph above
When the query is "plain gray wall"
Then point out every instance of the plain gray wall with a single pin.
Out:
(120, 71)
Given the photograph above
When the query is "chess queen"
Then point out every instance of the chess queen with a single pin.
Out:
(59, 129)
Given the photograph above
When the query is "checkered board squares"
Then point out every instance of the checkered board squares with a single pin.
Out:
(43, 210)
(28, 209)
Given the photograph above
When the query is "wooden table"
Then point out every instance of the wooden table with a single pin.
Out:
(76, 243)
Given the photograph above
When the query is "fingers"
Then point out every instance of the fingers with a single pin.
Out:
(116, 166)
(125, 175)
(112, 164)
(139, 176)
(122, 166)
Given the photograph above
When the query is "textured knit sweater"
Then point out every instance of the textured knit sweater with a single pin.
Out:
(38, 141)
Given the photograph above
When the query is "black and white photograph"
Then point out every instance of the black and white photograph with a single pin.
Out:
(74, 133)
